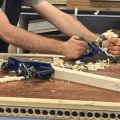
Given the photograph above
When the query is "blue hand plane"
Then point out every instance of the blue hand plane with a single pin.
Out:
(28, 68)
(95, 54)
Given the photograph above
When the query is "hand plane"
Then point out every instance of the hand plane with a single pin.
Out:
(28, 68)
(95, 54)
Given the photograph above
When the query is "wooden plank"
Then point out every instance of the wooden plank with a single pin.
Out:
(59, 103)
(45, 30)
(87, 79)
(88, 5)
(44, 108)
(39, 56)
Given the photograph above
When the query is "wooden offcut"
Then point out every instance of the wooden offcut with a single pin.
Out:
(88, 5)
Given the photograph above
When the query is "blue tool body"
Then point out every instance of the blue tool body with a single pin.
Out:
(28, 68)
(95, 50)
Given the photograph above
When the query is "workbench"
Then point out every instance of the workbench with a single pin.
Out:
(58, 99)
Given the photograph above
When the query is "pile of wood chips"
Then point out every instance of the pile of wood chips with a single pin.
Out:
(80, 66)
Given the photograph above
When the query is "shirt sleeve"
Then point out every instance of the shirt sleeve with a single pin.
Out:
(0, 9)
(31, 2)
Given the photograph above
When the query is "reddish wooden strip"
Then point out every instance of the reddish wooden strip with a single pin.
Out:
(88, 5)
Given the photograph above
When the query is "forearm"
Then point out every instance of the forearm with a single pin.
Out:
(64, 22)
(70, 26)
(31, 41)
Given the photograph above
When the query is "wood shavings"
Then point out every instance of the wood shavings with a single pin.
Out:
(109, 34)
(106, 52)
(75, 67)
(78, 62)
(97, 12)
(80, 66)
(57, 62)
(8, 79)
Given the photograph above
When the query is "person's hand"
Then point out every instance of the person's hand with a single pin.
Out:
(113, 46)
(74, 48)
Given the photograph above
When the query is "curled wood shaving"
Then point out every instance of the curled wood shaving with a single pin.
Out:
(80, 66)
(97, 12)
(106, 52)
(8, 79)
(109, 34)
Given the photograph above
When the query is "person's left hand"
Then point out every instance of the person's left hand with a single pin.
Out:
(113, 45)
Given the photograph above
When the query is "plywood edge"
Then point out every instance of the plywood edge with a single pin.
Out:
(87, 79)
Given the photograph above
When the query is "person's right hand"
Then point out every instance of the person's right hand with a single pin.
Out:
(74, 48)
(113, 45)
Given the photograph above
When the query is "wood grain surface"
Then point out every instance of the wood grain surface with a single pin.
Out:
(59, 89)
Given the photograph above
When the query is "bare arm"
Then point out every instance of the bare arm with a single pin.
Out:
(29, 41)
(65, 22)
(26, 40)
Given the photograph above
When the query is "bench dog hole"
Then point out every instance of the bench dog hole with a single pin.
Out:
(118, 116)
(23, 111)
(74, 114)
(112, 115)
(60, 113)
(67, 113)
(37, 112)
(8, 110)
(30, 111)
(1, 110)
(105, 115)
(15, 110)
(82, 114)
(97, 115)
(52, 112)
(89, 114)
(44, 112)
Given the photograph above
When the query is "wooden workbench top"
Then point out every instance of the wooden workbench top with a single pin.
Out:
(59, 89)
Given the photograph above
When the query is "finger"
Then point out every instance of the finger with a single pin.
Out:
(83, 43)
(112, 44)
(83, 49)
(115, 53)
(75, 37)
(114, 48)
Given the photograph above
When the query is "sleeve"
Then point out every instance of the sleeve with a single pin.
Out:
(0, 9)
(31, 2)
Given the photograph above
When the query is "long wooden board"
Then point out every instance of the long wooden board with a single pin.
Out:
(88, 79)
(88, 5)
(6, 55)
